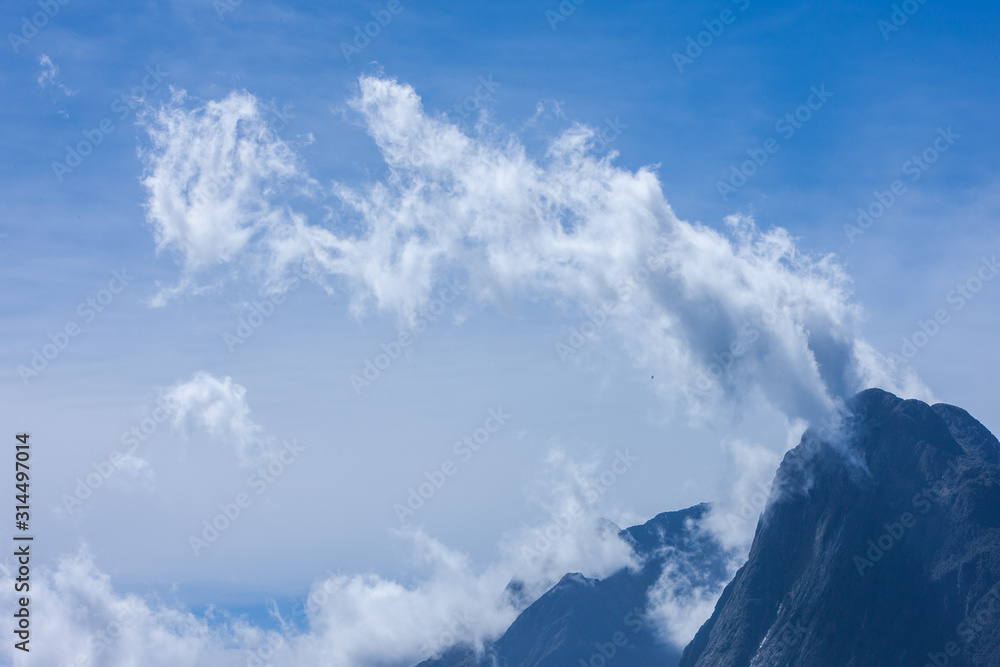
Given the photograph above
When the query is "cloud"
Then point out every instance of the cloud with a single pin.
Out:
(574, 536)
(679, 604)
(684, 598)
(352, 620)
(213, 175)
(47, 77)
(720, 317)
(132, 471)
(716, 315)
(745, 490)
(49, 71)
(78, 619)
(219, 407)
(366, 620)
(349, 620)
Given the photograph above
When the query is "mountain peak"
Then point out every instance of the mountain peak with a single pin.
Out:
(872, 550)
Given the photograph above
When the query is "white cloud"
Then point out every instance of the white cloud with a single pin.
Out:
(364, 619)
(219, 407)
(569, 227)
(682, 599)
(132, 471)
(356, 620)
(47, 77)
(78, 619)
(744, 492)
(49, 71)
(678, 606)
(213, 175)
(575, 536)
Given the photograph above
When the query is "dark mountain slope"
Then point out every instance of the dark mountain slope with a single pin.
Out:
(882, 551)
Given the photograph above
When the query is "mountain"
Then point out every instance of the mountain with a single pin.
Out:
(881, 549)
(596, 621)
(880, 546)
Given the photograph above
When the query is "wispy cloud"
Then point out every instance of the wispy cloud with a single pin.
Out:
(680, 604)
(746, 488)
(213, 175)
(47, 76)
(570, 227)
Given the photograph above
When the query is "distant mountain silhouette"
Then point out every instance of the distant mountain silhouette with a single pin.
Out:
(581, 619)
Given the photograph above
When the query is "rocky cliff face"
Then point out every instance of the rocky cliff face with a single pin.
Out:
(884, 550)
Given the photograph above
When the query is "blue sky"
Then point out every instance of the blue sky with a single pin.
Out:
(891, 95)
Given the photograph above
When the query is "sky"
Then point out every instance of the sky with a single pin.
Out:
(394, 300)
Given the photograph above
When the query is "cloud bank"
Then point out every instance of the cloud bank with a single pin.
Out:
(348, 620)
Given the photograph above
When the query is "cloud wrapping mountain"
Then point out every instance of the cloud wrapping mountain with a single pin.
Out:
(717, 317)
